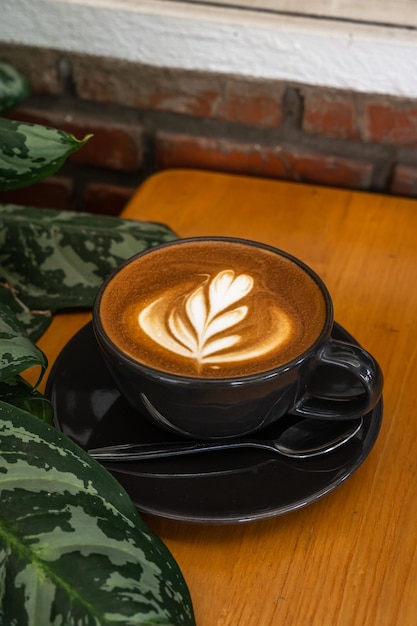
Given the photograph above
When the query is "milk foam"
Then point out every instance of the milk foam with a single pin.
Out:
(212, 309)
(206, 326)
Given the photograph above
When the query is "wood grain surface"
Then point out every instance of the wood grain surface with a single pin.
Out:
(350, 558)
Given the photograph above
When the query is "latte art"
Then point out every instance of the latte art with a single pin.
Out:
(205, 325)
(212, 309)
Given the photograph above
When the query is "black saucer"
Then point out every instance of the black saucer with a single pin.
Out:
(217, 487)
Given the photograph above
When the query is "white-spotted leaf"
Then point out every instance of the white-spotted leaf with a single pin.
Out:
(14, 88)
(73, 549)
(30, 152)
(17, 352)
(58, 259)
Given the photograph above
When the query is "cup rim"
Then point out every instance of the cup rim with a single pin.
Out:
(267, 374)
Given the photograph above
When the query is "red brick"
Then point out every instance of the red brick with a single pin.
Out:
(54, 192)
(117, 147)
(200, 104)
(174, 150)
(116, 81)
(250, 103)
(390, 122)
(177, 91)
(114, 145)
(327, 169)
(404, 182)
(105, 199)
(39, 65)
(330, 114)
(283, 162)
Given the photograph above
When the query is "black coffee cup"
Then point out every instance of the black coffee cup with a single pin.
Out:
(219, 337)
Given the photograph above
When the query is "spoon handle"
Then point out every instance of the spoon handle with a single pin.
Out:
(301, 440)
(139, 452)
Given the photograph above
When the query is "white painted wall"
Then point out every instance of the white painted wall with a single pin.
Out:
(394, 12)
(336, 54)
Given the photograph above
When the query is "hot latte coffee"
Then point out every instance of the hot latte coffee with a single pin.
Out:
(215, 309)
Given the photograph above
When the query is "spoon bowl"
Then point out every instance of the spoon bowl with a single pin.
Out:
(301, 440)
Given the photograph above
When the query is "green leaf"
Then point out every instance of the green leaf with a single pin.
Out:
(59, 259)
(30, 152)
(19, 392)
(17, 352)
(14, 89)
(34, 323)
(73, 549)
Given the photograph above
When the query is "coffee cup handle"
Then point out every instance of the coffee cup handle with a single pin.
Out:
(334, 397)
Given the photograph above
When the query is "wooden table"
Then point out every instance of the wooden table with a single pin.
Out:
(351, 557)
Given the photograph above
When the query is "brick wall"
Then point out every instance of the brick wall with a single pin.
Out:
(146, 119)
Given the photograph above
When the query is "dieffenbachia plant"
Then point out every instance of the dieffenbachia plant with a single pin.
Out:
(73, 549)
(28, 152)
(53, 260)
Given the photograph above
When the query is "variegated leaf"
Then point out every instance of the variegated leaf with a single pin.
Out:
(17, 352)
(34, 323)
(73, 549)
(30, 152)
(14, 89)
(58, 259)
(19, 392)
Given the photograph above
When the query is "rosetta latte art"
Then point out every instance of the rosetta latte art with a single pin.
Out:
(211, 324)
